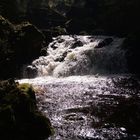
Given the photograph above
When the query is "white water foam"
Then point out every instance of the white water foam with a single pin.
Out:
(82, 55)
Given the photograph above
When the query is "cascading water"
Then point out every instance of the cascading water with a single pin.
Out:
(84, 88)
(80, 55)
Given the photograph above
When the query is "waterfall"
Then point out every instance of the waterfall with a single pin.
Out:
(84, 87)
(81, 55)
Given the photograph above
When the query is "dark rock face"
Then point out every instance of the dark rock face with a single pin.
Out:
(19, 116)
(53, 32)
(114, 17)
(30, 72)
(77, 44)
(9, 9)
(5, 28)
(30, 40)
(18, 45)
(45, 17)
(105, 42)
(131, 44)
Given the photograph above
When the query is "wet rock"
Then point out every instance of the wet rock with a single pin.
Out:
(54, 46)
(77, 44)
(105, 42)
(54, 32)
(62, 57)
(30, 72)
(60, 40)
(73, 117)
(43, 52)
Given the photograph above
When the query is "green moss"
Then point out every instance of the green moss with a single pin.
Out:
(27, 89)
(19, 116)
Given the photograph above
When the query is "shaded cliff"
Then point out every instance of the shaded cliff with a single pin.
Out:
(19, 44)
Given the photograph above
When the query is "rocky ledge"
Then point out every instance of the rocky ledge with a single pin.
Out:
(19, 44)
(19, 116)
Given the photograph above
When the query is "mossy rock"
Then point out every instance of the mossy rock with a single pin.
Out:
(5, 27)
(19, 44)
(28, 89)
(19, 116)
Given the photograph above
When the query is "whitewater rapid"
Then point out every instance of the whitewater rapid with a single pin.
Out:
(80, 55)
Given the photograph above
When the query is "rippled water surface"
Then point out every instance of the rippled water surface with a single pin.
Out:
(90, 107)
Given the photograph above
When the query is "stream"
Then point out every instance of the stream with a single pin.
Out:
(89, 107)
(83, 86)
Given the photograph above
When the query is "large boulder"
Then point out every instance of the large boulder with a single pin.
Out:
(132, 47)
(19, 44)
(28, 41)
(19, 116)
(5, 28)
(9, 9)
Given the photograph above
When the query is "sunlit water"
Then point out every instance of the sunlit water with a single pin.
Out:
(79, 105)
(82, 88)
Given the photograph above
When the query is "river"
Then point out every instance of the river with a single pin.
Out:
(84, 87)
